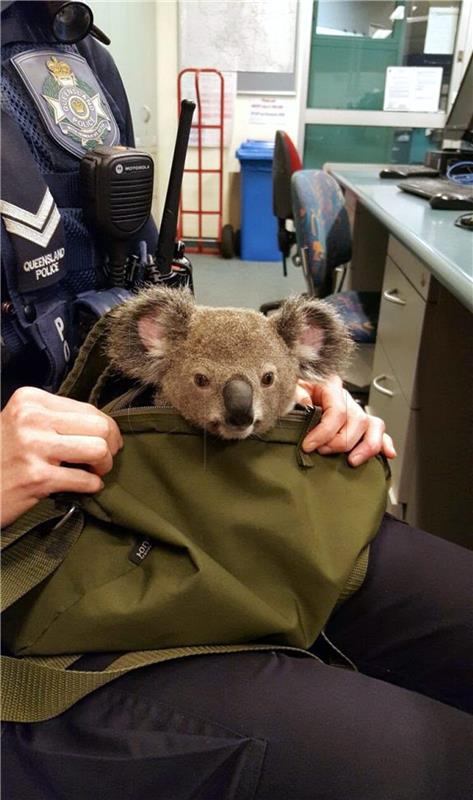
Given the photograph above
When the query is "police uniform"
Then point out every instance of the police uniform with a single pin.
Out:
(58, 102)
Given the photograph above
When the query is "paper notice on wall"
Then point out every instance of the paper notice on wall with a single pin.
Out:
(210, 92)
(441, 29)
(412, 89)
(270, 111)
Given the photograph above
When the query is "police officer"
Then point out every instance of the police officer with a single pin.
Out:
(59, 100)
(54, 108)
(229, 727)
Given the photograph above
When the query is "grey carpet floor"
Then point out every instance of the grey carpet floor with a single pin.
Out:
(244, 284)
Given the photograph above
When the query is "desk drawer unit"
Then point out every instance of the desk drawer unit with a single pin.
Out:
(422, 378)
(387, 401)
(414, 270)
(400, 327)
(393, 387)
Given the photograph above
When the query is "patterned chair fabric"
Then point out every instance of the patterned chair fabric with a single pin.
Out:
(359, 311)
(323, 231)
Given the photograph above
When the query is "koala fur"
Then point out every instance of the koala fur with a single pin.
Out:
(230, 371)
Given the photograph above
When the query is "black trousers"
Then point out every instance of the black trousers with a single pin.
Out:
(281, 727)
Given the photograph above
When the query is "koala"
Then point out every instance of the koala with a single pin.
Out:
(230, 371)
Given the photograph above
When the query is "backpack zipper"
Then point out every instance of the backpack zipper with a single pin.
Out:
(295, 416)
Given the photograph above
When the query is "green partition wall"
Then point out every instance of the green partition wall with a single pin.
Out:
(349, 72)
(366, 144)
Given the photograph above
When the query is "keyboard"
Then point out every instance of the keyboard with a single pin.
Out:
(407, 171)
(440, 191)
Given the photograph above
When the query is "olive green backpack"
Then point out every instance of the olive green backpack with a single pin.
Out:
(195, 545)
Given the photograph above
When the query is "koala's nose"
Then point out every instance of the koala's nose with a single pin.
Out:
(238, 399)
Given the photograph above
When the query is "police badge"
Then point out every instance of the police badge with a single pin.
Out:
(69, 99)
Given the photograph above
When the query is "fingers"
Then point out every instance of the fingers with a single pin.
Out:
(325, 431)
(388, 446)
(374, 441)
(69, 479)
(34, 407)
(302, 396)
(58, 429)
(345, 426)
(30, 395)
(45, 479)
(347, 437)
(91, 450)
(66, 431)
(94, 425)
(40, 434)
(337, 410)
(370, 444)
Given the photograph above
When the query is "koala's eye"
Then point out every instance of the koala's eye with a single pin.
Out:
(201, 380)
(267, 379)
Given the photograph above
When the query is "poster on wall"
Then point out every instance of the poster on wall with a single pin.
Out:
(238, 36)
(412, 89)
(269, 111)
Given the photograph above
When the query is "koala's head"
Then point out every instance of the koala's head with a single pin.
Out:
(230, 371)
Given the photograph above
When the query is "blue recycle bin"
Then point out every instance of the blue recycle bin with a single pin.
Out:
(259, 229)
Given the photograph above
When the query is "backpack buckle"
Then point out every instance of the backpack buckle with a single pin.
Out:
(68, 514)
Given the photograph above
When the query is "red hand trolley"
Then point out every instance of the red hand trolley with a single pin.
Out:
(199, 243)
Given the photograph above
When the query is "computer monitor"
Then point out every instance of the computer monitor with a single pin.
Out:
(459, 124)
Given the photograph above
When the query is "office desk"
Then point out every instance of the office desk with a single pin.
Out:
(422, 383)
(429, 234)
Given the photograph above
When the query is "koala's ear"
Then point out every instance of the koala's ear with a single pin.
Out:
(142, 331)
(315, 335)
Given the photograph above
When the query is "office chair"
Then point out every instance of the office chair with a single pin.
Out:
(286, 161)
(313, 200)
(322, 236)
(324, 242)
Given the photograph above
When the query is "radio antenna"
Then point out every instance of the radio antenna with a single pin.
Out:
(167, 232)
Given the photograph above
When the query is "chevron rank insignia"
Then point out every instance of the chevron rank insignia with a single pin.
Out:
(38, 240)
(69, 98)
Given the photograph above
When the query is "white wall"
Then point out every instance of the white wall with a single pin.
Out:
(167, 72)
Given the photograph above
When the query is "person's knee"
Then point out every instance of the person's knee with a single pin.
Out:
(358, 738)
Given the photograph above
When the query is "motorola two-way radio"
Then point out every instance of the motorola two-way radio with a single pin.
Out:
(117, 194)
(117, 190)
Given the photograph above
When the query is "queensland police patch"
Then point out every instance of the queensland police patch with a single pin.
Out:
(69, 99)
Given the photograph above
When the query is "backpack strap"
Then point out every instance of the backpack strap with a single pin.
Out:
(89, 364)
(92, 379)
(37, 689)
(41, 512)
(37, 553)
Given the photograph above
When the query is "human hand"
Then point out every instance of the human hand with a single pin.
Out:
(344, 426)
(40, 431)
